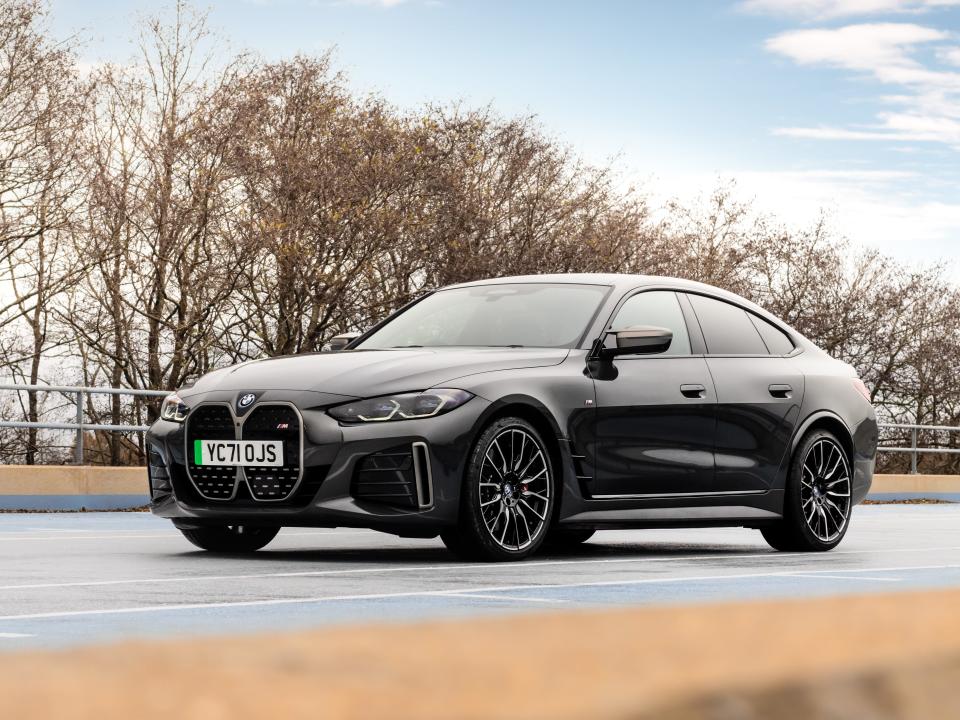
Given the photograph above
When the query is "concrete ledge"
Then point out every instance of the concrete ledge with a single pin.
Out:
(72, 487)
(916, 487)
(95, 487)
(72, 480)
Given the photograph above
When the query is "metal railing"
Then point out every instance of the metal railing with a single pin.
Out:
(79, 425)
(914, 450)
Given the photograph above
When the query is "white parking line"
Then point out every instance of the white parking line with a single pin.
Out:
(844, 577)
(510, 598)
(480, 567)
(12, 636)
(493, 589)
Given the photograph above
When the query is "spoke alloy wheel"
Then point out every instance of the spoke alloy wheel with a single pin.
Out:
(514, 489)
(825, 490)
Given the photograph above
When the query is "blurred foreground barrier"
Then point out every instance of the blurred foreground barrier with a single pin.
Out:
(893, 656)
(96, 487)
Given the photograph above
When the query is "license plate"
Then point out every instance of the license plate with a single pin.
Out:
(247, 453)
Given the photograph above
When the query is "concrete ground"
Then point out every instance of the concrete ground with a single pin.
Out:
(81, 579)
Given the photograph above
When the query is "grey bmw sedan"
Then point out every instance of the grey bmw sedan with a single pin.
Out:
(506, 414)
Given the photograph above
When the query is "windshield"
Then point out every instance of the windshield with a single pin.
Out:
(508, 315)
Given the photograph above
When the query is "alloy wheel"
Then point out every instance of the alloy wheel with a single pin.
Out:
(514, 489)
(825, 490)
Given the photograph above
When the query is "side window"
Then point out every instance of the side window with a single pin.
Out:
(776, 340)
(727, 329)
(658, 308)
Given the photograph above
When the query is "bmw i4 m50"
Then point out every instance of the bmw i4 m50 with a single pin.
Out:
(505, 414)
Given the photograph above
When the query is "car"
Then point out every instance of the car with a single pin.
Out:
(509, 414)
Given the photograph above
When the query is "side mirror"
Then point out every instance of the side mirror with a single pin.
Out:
(639, 340)
(339, 342)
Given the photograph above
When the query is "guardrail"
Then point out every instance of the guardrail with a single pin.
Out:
(914, 450)
(79, 426)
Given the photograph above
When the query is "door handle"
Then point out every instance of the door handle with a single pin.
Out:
(780, 391)
(693, 391)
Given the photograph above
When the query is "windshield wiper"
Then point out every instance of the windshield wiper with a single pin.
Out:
(396, 347)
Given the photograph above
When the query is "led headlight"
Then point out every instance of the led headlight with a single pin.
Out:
(173, 409)
(408, 406)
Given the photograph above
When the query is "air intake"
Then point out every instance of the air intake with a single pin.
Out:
(423, 476)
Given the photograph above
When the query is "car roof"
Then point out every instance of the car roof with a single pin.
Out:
(624, 282)
(620, 281)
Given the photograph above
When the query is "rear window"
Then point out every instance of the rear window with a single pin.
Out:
(727, 329)
(776, 340)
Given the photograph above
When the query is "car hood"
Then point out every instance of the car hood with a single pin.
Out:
(368, 373)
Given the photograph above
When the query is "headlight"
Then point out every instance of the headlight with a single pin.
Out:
(408, 406)
(173, 409)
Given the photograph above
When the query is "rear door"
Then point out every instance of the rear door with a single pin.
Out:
(655, 413)
(759, 392)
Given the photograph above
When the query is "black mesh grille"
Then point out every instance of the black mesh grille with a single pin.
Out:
(274, 422)
(313, 478)
(386, 477)
(211, 422)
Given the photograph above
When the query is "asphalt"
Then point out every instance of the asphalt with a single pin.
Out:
(91, 578)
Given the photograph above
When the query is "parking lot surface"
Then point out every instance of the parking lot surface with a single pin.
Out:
(76, 579)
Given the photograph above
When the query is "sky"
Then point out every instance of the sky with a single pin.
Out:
(850, 107)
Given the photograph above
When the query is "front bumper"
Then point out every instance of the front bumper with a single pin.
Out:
(335, 463)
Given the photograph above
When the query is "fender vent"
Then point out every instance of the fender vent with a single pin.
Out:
(423, 475)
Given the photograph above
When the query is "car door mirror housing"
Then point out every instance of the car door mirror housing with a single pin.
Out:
(639, 340)
(339, 342)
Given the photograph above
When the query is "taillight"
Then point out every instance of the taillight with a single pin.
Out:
(862, 389)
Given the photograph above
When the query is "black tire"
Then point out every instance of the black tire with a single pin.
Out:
(230, 538)
(817, 497)
(563, 538)
(505, 494)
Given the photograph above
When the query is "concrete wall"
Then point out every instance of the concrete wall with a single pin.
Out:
(71, 487)
(911, 487)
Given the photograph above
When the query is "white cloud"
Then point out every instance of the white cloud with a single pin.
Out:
(929, 110)
(874, 47)
(872, 208)
(828, 9)
(950, 55)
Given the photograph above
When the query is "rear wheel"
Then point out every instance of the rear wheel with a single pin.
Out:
(818, 501)
(230, 538)
(507, 497)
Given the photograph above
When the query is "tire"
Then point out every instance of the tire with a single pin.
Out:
(508, 495)
(230, 538)
(817, 501)
(562, 539)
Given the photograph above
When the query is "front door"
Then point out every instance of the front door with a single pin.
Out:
(656, 414)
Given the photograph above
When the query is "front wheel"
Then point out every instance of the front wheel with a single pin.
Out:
(230, 538)
(818, 502)
(507, 497)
